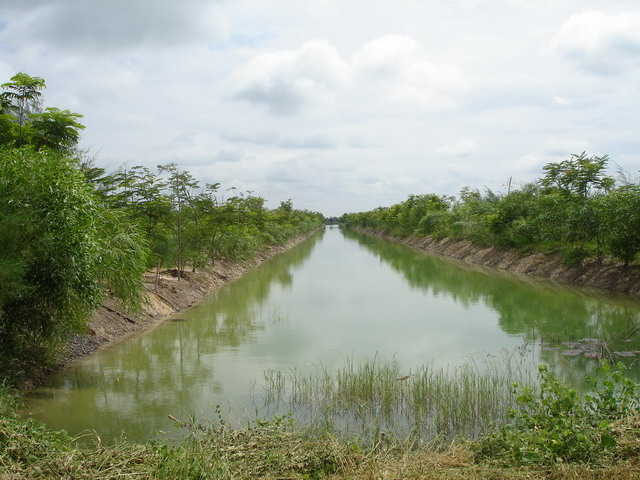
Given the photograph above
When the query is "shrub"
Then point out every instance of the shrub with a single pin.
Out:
(556, 424)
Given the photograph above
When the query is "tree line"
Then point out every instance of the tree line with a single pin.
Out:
(575, 208)
(71, 233)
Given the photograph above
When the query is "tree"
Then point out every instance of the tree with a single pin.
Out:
(180, 183)
(56, 129)
(578, 180)
(581, 175)
(21, 98)
(620, 213)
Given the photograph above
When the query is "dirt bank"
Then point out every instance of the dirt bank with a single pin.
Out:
(165, 296)
(605, 273)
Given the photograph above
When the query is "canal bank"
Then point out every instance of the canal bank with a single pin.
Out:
(596, 273)
(165, 296)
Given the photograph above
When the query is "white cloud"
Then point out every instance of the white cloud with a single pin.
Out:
(135, 120)
(387, 56)
(229, 155)
(388, 69)
(393, 67)
(560, 100)
(600, 42)
(314, 141)
(461, 148)
(395, 98)
(568, 145)
(285, 81)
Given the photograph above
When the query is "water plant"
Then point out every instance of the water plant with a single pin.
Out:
(376, 397)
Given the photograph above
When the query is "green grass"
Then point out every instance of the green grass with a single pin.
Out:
(377, 397)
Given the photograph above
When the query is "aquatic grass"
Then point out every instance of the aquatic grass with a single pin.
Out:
(374, 397)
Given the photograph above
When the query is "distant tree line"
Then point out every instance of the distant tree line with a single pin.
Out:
(576, 208)
(71, 233)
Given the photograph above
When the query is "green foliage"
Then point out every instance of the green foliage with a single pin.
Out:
(263, 449)
(56, 129)
(574, 209)
(22, 97)
(580, 175)
(69, 232)
(23, 122)
(620, 212)
(59, 247)
(556, 424)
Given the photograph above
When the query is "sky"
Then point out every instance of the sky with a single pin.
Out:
(340, 106)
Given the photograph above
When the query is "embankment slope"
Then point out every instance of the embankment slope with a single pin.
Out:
(165, 295)
(605, 273)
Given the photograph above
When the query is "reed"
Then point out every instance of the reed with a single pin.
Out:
(376, 397)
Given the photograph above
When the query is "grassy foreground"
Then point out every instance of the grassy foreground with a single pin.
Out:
(551, 433)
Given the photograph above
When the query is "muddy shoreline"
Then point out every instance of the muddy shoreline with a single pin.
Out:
(165, 296)
(604, 274)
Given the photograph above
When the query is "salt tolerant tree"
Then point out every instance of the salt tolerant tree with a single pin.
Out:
(56, 129)
(22, 97)
(620, 213)
(181, 185)
(578, 182)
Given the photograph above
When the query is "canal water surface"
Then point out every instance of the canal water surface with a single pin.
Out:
(337, 297)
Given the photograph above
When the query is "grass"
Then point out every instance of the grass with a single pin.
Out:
(283, 449)
(376, 398)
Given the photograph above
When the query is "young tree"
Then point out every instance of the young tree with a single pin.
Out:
(620, 213)
(181, 185)
(22, 96)
(56, 129)
(580, 175)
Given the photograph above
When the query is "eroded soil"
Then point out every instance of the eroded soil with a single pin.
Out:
(597, 273)
(166, 294)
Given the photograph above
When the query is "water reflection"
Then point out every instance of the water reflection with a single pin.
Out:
(539, 311)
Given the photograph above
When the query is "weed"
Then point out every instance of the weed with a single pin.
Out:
(377, 398)
(556, 424)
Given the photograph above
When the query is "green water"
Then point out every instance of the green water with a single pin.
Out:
(338, 295)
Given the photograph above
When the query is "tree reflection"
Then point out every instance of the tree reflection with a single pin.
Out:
(125, 388)
(539, 311)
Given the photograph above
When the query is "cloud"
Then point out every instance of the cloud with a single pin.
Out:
(567, 145)
(257, 138)
(312, 142)
(227, 155)
(316, 141)
(462, 148)
(395, 68)
(600, 43)
(81, 25)
(561, 101)
(387, 56)
(285, 81)
(387, 69)
(135, 120)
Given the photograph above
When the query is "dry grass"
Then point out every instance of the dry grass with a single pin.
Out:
(265, 454)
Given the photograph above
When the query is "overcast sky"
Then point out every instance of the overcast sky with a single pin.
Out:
(340, 105)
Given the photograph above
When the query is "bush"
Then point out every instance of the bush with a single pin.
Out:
(557, 424)
(59, 248)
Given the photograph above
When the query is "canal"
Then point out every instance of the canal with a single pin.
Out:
(338, 297)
